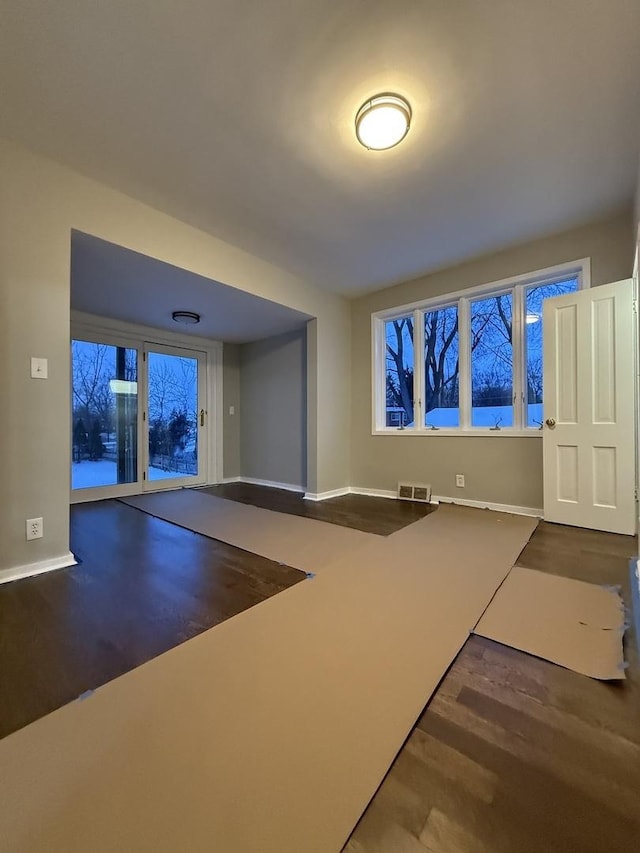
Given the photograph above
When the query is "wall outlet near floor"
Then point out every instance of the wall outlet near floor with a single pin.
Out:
(34, 528)
(460, 481)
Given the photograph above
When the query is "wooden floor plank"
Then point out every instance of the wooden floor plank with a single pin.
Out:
(452, 765)
(496, 682)
(442, 833)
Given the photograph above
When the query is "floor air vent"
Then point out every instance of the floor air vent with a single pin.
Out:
(414, 492)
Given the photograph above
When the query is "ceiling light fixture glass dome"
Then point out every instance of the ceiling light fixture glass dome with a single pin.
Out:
(383, 121)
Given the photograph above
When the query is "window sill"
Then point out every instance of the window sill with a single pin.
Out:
(476, 433)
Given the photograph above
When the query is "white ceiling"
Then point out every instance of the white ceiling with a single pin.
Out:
(237, 117)
(111, 281)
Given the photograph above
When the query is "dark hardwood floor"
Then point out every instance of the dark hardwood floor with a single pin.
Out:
(372, 515)
(514, 754)
(143, 587)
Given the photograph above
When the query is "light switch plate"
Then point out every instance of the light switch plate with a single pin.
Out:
(232, 410)
(39, 368)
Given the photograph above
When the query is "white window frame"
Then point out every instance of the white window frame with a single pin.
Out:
(518, 285)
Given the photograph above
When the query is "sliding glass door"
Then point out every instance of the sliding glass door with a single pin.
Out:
(104, 418)
(175, 417)
(139, 418)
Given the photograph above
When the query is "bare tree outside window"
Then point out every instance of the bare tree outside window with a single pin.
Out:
(442, 366)
(399, 372)
(104, 420)
(173, 414)
(492, 361)
(535, 297)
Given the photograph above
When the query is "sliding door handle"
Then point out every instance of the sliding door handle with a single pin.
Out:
(201, 417)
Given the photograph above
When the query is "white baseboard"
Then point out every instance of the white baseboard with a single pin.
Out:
(253, 481)
(324, 496)
(374, 493)
(392, 495)
(514, 510)
(436, 499)
(38, 568)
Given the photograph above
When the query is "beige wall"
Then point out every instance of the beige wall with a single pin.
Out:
(40, 203)
(231, 397)
(273, 406)
(34, 321)
(498, 469)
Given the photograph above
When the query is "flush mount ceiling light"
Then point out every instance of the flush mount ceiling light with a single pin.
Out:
(187, 318)
(383, 121)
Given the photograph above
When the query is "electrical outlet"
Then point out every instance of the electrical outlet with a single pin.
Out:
(460, 481)
(34, 528)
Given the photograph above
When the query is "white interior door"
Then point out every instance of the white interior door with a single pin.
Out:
(175, 417)
(589, 440)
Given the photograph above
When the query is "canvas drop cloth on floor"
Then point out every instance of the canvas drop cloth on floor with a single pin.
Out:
(303, 543)
(270, 732)
(574, 624)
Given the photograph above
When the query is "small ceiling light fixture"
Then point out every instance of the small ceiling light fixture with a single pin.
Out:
(383, 121)
(187, 318)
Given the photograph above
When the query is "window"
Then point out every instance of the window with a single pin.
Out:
(441, 367)
(467, 362)
(104, 385)
(172, 400)
(399, 372)
(492, 361)
(533, 339)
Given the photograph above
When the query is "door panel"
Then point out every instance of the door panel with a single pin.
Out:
(568, 476)
(604, 362)
(566, 395)
(175, 417)
(604, 472)
(104, 419)
(589, 445)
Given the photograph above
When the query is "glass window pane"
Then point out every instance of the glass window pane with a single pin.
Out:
(104, 418)
(399, 372)
(533, 314)
(173, 416)
(441, 367)
(492, 362)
